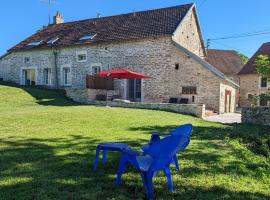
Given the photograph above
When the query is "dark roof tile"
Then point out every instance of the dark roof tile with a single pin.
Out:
(228, 62)
(250, 67)
(152, 23)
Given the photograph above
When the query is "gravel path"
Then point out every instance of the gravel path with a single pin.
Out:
(225, 118)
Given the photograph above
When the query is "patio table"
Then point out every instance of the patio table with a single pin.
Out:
(108, 146)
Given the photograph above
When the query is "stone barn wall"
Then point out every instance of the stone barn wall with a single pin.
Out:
(257, 115)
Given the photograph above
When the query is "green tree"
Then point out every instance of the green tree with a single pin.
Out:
(263, 65)
(244, 58)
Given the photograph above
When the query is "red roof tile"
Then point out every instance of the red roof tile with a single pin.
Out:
(228, 62)
(152, 23)
(250, 67)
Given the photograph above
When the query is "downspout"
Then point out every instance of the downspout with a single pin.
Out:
(55, 53)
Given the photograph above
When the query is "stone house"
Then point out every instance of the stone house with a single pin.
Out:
(166, 44)
(251, 83)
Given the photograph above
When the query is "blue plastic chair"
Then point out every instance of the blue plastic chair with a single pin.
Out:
(181, 130)
(158, 157)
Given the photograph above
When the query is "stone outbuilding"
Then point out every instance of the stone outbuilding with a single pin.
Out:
(166, 44)
(251, 83)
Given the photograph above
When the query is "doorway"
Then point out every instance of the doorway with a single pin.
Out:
(228, 99)
(29, 77)
(134, 90)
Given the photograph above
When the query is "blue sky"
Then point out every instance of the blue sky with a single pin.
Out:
(218, 18)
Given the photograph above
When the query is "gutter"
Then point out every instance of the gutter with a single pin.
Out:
(55, 53)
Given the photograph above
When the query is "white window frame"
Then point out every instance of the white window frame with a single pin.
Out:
(267, 83)
(81, 53)
(34, 43)
(93, 65)
(28, 68)
(62, 76)
(49, 76)
(52, 40)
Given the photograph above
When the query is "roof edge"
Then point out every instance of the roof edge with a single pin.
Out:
(4, 55)
(193, 6)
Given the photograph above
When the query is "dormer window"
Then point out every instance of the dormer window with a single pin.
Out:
(52, 41)
(87, 37)
(34, 43)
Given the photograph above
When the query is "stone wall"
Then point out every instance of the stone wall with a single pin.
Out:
(210, 88)
(188, 34)
(82, 96)
(257, 115)
(250, 84)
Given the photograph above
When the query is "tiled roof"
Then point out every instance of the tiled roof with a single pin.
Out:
(227, 61)
(152, 23)
(250, 67)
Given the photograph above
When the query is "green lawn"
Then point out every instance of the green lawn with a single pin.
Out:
(47, 147)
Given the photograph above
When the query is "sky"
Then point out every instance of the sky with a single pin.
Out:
(19, 19)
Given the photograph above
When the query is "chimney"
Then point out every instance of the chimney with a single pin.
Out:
(58, 18)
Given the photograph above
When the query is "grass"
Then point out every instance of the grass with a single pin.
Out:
(47, 147)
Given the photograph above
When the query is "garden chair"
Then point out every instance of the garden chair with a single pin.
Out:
(181, 130)
(158, 157)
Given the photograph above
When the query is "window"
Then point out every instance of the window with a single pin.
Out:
(52, 41)
(34, 43)
(87, 37)
(27, 60)
(66, 76)
(47, 76)
(96, 69)
(263, 82)
(82, 56)
(189, 90)
(176, 66)
(249, 96)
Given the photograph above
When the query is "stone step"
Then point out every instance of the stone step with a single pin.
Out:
(209, 113)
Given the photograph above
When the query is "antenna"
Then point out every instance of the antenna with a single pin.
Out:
(49, 2)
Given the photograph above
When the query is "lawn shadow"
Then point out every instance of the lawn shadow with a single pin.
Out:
(44, 96)
(62, 168)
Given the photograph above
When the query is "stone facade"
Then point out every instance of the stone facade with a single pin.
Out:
(210, 88)
(188, 34)
(250, 84)
(257, 115)
(156, 57)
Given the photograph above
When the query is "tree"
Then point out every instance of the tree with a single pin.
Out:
(263, 65)
(244, 58)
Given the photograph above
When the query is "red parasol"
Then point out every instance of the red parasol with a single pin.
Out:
(122, 74)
